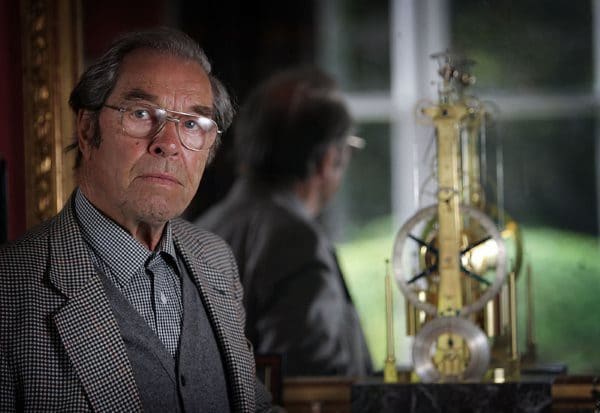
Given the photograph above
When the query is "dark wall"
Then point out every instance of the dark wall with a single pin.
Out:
(103, 21)
(248, 40)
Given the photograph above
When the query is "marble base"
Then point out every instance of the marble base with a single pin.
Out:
(521, 396)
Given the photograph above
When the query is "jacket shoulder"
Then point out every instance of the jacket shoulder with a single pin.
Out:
(30, 246)
(192, 232)
(203, 244)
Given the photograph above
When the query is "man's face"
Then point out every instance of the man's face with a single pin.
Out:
(141, 181)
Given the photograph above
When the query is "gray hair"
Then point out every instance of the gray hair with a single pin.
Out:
(98, 81)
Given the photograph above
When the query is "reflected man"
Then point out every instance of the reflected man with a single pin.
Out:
(293, 143)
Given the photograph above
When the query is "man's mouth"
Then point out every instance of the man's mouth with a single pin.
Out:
(160, 178)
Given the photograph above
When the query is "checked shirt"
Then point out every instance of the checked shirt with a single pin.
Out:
(149, 280)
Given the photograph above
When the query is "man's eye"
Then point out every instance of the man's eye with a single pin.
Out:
(190, 124)
(142, 114)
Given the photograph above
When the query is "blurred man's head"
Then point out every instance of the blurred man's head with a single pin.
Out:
(293, 126)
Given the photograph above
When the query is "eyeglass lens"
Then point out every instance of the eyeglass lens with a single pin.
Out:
(195, 132)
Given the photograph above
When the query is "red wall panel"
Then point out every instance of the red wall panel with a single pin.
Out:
(11, 115)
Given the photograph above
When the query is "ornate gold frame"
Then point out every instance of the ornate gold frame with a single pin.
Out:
(51, 46)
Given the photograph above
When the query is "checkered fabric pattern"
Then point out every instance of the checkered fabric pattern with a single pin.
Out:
(60, 345)
(150, 280)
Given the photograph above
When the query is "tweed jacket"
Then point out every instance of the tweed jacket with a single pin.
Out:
(296, 299)
(60, 345)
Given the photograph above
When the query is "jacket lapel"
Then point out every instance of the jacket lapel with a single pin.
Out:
(86, 325)
(217, 293)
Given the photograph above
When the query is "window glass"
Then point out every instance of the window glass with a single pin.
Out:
(541, 167)
(361, 212)
(548, 169)
(550, 190)
(365, 192)
(355, 43)
(525, 45)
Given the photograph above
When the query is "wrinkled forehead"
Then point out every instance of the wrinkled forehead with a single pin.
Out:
(164, 79)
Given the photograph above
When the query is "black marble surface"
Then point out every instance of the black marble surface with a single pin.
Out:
(519, 396)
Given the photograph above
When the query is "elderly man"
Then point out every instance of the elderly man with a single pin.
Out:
(293, 144)
(115, 304)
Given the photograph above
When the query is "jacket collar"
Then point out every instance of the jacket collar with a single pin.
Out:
(221, 295)
(85, 323)
(70, 267)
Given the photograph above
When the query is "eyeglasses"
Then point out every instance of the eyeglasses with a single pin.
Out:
(355, 142)
(195, 132)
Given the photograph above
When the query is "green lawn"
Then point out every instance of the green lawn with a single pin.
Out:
(566, 286)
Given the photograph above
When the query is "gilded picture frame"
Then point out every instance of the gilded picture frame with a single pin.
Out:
(51, 44)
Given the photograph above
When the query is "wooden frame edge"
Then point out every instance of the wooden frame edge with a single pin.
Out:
(52, 59)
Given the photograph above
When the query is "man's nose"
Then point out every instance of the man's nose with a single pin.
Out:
(166, 143)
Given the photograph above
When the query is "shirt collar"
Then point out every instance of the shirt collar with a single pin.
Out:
(116, 247)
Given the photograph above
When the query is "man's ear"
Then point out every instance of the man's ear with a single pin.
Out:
(85, 131)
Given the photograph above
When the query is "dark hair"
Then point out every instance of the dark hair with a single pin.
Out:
(286, 125)
(98, 81)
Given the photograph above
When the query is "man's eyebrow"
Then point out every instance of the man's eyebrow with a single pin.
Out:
(203, 110)
(139, 94)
